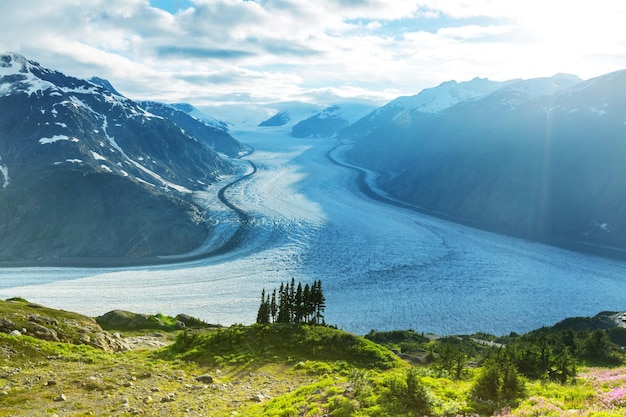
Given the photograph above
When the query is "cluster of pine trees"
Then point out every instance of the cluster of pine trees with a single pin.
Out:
(293, 303)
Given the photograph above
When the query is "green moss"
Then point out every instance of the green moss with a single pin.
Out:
(284, 342)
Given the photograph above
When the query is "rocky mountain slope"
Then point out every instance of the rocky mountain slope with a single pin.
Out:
(200, 115)
(216, 138)
(289, 113)
(89, 174)
(330, 121)
(541, 159)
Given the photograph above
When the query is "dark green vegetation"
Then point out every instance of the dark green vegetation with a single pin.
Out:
(297, 369)
(267, 343)
(118, 320)
(293, 305)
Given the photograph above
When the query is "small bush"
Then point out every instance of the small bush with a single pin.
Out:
(341, 407)
(410, 394)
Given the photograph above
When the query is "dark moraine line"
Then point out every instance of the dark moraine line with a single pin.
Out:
(244, 219)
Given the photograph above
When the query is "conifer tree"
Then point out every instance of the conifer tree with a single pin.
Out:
(273, 306)
(292, 300)
(319, 302)
(293, 304)
(299, 305)
(284, 307)
(263, 315)
(308, 306)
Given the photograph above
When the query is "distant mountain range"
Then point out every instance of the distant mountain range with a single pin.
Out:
(543, 159)
(330, 121)
(289, 113)
(89, 174)
(310, 121)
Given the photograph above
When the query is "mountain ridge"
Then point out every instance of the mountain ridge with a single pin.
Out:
(330, 121)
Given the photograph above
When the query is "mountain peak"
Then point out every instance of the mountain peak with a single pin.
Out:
(105, 84)
(539, 87)
(279, 119)
(20, 75)
(566, 76)
(447, 94)
(192, 111)
(13, 61)
(329, 122)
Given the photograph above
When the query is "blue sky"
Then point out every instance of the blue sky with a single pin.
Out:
(171, 6)
(220, 53)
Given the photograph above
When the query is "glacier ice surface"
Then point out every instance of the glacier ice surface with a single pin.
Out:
(382, 267)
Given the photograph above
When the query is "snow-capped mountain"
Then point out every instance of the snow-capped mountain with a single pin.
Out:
(200, 115)
(87, 172)
(279, 119)
(429, 100)
(290, 113)
(518, 92)
(216, 138)
(330, 121)
(541, 158)
(447, 94)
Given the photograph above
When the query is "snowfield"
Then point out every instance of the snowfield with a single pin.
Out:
(382, 267)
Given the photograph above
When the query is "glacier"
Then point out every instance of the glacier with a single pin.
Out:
(383, 267)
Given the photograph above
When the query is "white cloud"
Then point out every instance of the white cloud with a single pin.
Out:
(260, 51)
(474, 31)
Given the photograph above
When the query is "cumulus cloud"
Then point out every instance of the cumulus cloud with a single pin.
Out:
(263, 50)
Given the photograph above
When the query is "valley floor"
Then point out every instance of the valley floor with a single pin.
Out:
(382, 266)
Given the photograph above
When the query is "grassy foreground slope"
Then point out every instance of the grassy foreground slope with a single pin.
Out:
(294, 370)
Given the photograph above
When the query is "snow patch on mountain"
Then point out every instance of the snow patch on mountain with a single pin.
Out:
(350, 112)
(104, 84)
(111, 139)
(19, 74)
(289, 114)
(12, 79)
(539, 87)
(97, 156)
(279, 119)
(55, 138)
(4, 170)
(199, 115)
(330, 121)
(447, 94)
(166, 184)
(592, 82)
(113, 143)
